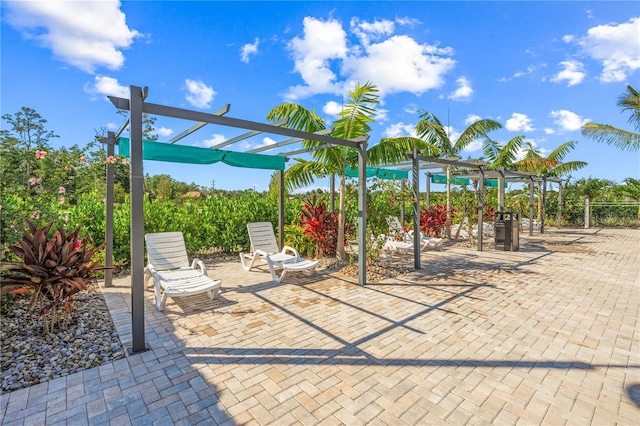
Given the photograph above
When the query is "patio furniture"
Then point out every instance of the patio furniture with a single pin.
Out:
(169, 267)
(264, 249)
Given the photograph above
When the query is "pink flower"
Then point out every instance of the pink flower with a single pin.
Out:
(69, 168)
(36, 215)
(33, 181)
(40, 154)
(62, 190)
(111, 159)
(61, 200)
(77, 244)
(125, 161)
(83, 159)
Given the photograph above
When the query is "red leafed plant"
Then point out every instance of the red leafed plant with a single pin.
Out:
(55, 269)
(320, 225)
(433, 220)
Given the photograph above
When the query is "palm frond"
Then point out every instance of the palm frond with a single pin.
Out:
(605, 133)
(476, 130)
(304, 173)
(565, 168)
(394, 150)
(560, 152)
(630, 101)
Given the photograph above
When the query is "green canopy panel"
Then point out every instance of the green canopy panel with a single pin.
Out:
(379, 173)
(159, 151)
(490, 183)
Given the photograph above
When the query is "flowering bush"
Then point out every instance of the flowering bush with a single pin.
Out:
(55, 269)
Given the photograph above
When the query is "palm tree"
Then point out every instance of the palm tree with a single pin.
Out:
(623, 139)
(353, 122)
(430, 129)
(551, 165)
(630, 190)
(502, 156)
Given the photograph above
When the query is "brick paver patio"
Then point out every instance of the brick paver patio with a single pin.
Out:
(545, 335)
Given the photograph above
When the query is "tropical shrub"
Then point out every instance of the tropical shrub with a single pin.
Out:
(55, 269)
(321, 226)
(433, 220)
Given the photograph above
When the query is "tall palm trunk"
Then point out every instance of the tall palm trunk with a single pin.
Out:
(340, 251)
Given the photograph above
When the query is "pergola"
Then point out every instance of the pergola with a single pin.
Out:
(137, 106)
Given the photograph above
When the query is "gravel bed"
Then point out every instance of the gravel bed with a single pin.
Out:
(28, 356)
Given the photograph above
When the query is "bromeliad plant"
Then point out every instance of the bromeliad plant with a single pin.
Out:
(55, 269)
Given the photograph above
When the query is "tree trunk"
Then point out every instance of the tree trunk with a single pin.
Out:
(340, 251)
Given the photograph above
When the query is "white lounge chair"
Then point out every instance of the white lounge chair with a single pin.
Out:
(264, 249)
(168, 265)
(396, 230)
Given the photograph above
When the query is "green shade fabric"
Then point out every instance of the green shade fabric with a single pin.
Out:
(443, 179)
(490, 183)
(379, 173)
(159, 151)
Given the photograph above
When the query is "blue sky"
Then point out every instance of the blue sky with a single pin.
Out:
(541, 69)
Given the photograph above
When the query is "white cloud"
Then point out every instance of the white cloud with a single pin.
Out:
(332, 108)
(84, 34)
(471, 118)
(199, 94)
(573, 73)
(411, 108)
(463, 92)
(519, 122)
(322, 41)
(568, 120)
(400, 64)
(112, 126)
(474, 145)
(382, 115)
(107, 86)
(549, 131)
(248, 50)
(616, 46)
(215, 139)
(366, 31)
(399, 129)
(327, 63)
(164, 132)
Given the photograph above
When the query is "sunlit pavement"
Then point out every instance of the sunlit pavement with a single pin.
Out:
(545, 335)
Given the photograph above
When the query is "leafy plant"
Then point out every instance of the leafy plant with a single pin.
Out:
(433, 220)
(56, 269)
(321, 226)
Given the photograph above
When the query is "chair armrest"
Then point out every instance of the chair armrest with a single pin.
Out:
(291, 249)
(199, 263)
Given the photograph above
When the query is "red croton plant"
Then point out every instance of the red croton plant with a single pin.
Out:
(54, 269)
(322, 226)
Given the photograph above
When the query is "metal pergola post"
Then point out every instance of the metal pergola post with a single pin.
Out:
(417, 243)
(501, 195)
(531, 191)
(544, 203)
(559, 205)
(281, 209)
(108, 232)
(362, 212)
(137, 221)
(428, 189)
(480, 207)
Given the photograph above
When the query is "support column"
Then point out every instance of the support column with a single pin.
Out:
(137, 222)
(281, 209)
(428, 188)
(501, 195)
(531, 191)
(559, 204)
(417, 243)
(108, 232)
(587, 213)
(362, 213)
(480, 206)
(544, 203)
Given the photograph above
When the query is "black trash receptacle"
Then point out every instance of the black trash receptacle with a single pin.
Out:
(507, 231)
